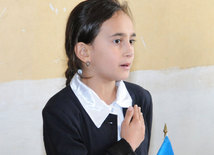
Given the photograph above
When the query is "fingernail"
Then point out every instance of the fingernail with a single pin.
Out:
(130, 108)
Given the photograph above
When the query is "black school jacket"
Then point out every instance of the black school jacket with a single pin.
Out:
(68, 129)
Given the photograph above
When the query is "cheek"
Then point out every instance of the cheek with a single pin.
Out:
(111, 56)
(106, 53)
(106, 58)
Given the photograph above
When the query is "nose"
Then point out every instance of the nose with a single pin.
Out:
(128, 50)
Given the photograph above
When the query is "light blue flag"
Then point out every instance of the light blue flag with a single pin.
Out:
(166, 148)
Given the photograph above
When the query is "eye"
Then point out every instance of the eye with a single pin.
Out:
(132, 41)
(117, 41)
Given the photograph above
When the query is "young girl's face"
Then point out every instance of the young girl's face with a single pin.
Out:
(112, 51)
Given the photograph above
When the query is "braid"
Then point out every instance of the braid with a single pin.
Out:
(73, 65)
(69, 73)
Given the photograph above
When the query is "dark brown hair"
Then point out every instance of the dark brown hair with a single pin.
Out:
(84, 24)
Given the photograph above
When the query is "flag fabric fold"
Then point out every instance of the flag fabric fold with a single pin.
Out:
(166, 148)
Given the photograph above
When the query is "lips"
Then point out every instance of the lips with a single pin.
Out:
(126, 66)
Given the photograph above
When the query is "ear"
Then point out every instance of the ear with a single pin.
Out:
(82, 52)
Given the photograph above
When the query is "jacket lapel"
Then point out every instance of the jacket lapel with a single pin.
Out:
(124, 111)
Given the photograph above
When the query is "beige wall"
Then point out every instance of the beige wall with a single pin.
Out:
(171, 34)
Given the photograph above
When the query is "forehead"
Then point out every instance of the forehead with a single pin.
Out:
(118, 23)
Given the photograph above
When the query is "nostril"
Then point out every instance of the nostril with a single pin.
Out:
(129, 54)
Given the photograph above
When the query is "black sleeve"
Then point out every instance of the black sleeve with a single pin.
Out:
(62, 137)
(121, 147)
(148, 115)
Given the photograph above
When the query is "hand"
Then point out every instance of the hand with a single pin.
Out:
(133, 127)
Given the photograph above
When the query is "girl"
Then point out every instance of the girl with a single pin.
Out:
(90, 116)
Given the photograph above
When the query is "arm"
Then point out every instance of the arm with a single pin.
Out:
(149, 115)
(121, 147)
(61, 137)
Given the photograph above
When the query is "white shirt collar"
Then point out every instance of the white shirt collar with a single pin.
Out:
(96, 108)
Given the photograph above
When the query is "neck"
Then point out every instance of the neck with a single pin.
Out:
(106, 90)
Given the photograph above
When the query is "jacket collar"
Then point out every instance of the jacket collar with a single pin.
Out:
(96, 108)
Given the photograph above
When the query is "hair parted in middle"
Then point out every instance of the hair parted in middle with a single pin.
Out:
(84, 24)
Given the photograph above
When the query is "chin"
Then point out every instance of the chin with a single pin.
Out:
(123, 76)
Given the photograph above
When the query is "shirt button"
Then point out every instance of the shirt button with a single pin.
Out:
(110, 123)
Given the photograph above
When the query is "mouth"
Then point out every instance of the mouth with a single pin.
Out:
(126, 66)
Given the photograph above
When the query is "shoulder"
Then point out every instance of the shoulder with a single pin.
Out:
(139, 95)
(62, 112)
(64, 101)
(137, 90)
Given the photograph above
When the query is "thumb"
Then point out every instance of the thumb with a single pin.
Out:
(128, 116)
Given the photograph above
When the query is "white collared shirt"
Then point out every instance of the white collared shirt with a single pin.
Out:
(96, 108)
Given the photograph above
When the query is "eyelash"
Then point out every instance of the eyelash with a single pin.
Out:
(132, 41)
(117, 41)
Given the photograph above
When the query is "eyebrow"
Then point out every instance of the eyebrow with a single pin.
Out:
(123, 34)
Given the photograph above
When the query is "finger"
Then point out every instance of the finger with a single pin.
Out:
(141, 117)
(128, 116)
(136, 112)
(139, 112)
